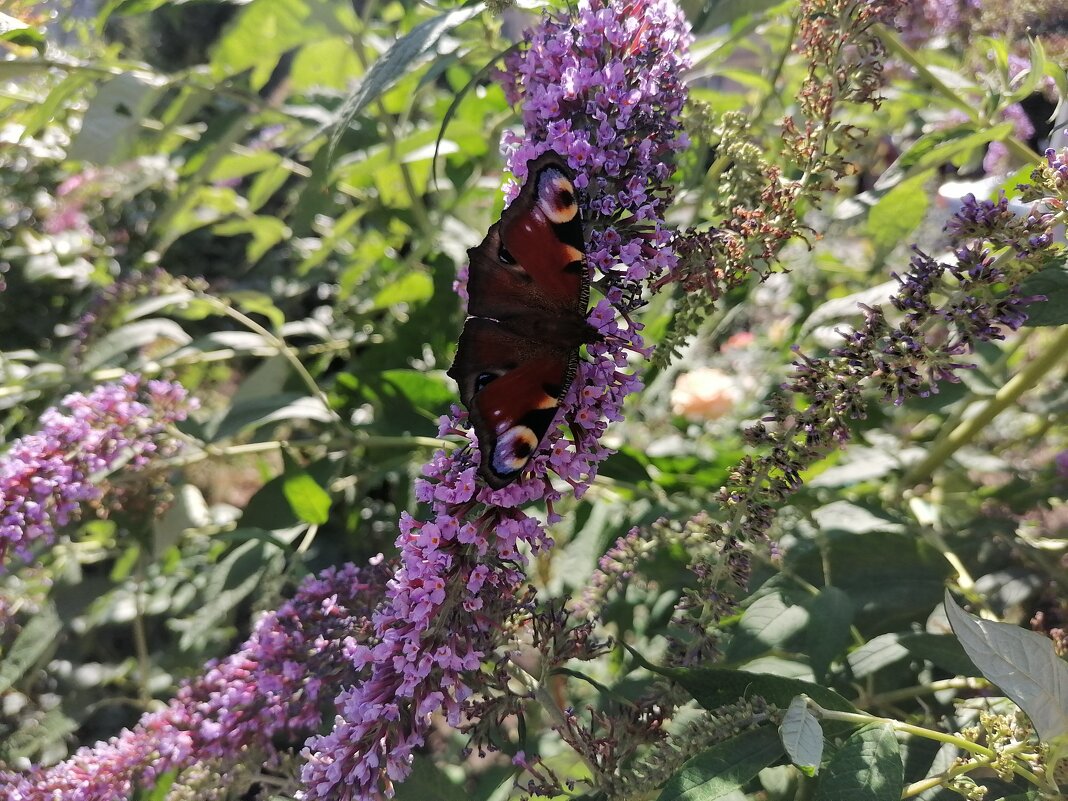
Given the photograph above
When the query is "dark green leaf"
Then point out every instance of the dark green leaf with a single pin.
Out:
(252, 413)
(892, 579)
(1051, 282)
(721, 770)
(714, 687)
(427, 781)
(867, 768)
(37, 637)
(827, 634)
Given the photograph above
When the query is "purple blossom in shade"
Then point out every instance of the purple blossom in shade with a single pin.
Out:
(272, 690)
(1060, 464)
(45, 477)
(603, 90)
(998, 158)
(922, 20)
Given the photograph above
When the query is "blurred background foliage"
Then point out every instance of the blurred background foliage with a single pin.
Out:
(244, 196)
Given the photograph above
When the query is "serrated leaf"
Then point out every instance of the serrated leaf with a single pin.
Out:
(719, 771)
(866, 768)
(309, 501)
(802, 736)
(401, 57)
(36, 637)
(1021, 663)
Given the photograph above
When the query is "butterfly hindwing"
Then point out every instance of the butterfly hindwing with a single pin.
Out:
(512, 386)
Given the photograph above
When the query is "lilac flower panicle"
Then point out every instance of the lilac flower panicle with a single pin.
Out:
(603, 90)
(45, 477)
(271, 690)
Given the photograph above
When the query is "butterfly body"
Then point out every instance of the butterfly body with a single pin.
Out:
(529, 288)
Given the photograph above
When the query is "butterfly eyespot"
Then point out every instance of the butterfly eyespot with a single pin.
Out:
(504, 256)
(483, 379)
(514, 449)
(566, 199)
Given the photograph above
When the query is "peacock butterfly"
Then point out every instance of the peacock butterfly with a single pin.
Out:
(529, 289)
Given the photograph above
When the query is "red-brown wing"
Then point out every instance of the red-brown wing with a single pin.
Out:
(533, 258)
(512, 387)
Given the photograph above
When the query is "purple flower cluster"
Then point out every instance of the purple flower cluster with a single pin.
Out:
(603, 90)
(922, 20)
(271, 691)
(46, 476)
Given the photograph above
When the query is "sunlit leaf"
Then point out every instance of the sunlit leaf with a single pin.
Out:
(1021, 663)
(802, 736)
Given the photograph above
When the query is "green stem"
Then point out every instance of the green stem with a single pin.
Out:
(902, 51)
(1028, 377)
(287, 353)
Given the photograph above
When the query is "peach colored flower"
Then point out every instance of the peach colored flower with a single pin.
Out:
(704, 394)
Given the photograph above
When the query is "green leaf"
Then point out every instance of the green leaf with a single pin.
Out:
(768, 623)
(876, 654)
(940, 147)
(415, 287)
(427, 781)
(309, 501)
(802, 736)
(113, 121)
(400, 59)
(727, 12)
(942, 650)
(1052, 282)
(262, 32)
(897, 214)
(229, 582)
(866, 768)
(31, 644)
(36, 735)
(159, 789)
(15, 31)
(270, 510)
(252, 413)
(713, 687)
(719, 771)
(891, 578)
(830, 615)
(1022, 663)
